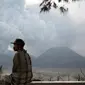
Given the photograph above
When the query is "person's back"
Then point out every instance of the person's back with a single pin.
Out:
(22, 65)
(22, 68)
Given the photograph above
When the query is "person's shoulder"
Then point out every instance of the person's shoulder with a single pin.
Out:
(28, 54)
(17, 53)
(15, 56)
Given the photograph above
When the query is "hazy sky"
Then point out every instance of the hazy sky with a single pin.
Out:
(21, 19)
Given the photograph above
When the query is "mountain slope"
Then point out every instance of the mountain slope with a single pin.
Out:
(7, 59)
(60, 57)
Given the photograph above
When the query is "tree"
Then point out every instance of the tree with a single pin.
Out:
(46, 5)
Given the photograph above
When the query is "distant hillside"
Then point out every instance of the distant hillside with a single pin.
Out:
(60, 57)
(7, 59)
(33, 59)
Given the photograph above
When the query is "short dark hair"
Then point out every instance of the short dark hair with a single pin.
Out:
(19, 42)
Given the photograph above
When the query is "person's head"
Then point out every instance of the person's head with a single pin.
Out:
(18, 44)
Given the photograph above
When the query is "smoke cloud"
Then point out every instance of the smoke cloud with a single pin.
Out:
(40, 31)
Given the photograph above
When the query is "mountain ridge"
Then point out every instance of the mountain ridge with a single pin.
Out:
(60, 57)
